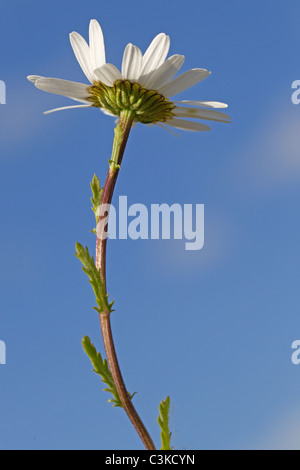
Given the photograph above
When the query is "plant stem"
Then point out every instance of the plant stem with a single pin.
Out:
(121, 136)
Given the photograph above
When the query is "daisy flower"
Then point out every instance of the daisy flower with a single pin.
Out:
(144, 85)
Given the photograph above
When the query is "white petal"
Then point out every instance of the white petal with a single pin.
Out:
(167, 128)
(132, 63)
(85, 101)
(63, 87)
(201, 114)
(187, 125)
(108, 74)
(83, 55)
(97, 48)
(156, 53)
(184, 81)
(68, 107)
(165, 72)
(104, 111)
(34, 78)
(204, 104)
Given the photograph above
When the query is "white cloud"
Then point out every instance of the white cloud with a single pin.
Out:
(271, 157)
(283, 434)
(19, 118)
(218, 245)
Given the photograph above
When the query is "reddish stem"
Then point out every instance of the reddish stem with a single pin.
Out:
(112, 175)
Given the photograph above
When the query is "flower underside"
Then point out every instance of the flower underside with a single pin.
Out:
(147, 106)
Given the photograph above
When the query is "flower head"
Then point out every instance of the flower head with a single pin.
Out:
(143, 86)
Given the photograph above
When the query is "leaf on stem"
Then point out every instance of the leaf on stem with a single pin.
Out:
(101, 368)
(163, 421)
(90, 269)
(97, 197)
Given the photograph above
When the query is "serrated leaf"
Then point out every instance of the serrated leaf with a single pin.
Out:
(94, 275)
(163, 421)
(97, 196)
(101, 368)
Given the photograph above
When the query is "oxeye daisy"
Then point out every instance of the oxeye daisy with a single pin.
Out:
(142, 88)
(139, 92)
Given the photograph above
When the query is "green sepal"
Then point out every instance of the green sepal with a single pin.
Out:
(163, 421)
(101, 368)
(90, 269)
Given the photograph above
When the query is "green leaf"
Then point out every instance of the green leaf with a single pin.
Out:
(90, 269)
(101, 368)
(163, 421)
(97, 196)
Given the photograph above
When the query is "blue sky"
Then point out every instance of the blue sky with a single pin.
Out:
(213, 329)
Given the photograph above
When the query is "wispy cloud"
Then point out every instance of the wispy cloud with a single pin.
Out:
(218, 245)
(270, 158)
(19, 118)
(283, 434)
